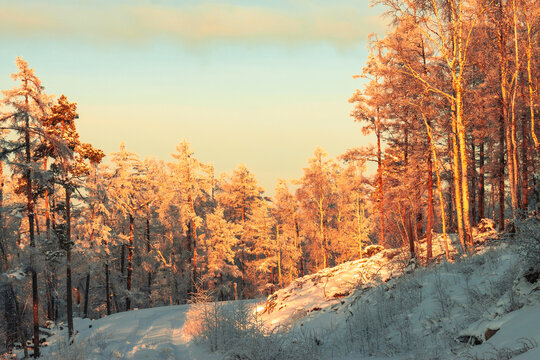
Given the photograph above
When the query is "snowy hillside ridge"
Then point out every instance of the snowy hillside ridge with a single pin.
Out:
(326, 288)
(484, 306)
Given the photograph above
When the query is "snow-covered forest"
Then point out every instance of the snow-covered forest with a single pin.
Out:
(450, 95)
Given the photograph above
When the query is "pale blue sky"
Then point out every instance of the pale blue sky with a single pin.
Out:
(255, 82)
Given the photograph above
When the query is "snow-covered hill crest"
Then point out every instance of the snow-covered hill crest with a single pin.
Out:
(483, 306)
(326, 288)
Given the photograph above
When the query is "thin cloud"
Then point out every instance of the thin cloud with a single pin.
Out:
(191, 25)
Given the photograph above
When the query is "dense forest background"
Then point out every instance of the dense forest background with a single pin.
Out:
(451, 95)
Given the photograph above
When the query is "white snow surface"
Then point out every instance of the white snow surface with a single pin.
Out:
(373, 308)
(154, 333)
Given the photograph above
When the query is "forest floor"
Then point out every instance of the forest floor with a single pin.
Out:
(484, 306)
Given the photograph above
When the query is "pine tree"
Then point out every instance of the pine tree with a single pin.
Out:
(27, 106)
(124, 189)
(72, 162)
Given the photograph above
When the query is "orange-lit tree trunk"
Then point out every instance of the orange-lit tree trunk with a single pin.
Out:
(30, 211)
(524, 165)
(513, 119)
(429, 250)
(529, 53)
(501, 173)
(380, 180)
(299, 247)
(474, 185)
(193, 229)
(439, 187)
(322, 232)
(148, 250)
(509, 123)
(457, 188)
(130, 262)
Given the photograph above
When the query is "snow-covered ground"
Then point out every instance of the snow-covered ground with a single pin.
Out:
(141, 334)
(435, 312)
(485, 306)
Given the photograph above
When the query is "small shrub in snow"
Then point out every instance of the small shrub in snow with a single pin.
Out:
(234, 329)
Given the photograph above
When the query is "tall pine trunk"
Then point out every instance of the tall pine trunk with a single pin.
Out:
(86, 295)
(380, 183)
(69, 298)
(130, 263)
(148, 250)
(30, 211)
(429, 251)
(439, 187)
(107, 289)
(457, 188)
(529, 52)
(474, 186)
(524, 165)
(501, 173)
(481, 182)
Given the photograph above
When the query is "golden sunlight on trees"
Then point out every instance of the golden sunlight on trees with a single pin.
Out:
(450, 96)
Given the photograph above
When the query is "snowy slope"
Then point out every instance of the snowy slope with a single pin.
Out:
(436, 312)
(326, 288)
(141, 334)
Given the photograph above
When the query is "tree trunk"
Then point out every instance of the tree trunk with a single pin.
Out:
(50, 301)
(86, 295)
(122, 258)
(439, 187)
(380, 183)
(405, 220)
(457, 188)
(464, 165)
(509, 126)
(130, 262)
(481, 182)
(429, 251)
(107, 290)
(116, 306)
(279, 257)
(148, 250)
(69, 299)
(30, 210)
(299, 246)
(474, 186)
(524, 165)
(529, 51)
(501, 174)
(515, 158)
(321, 233)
